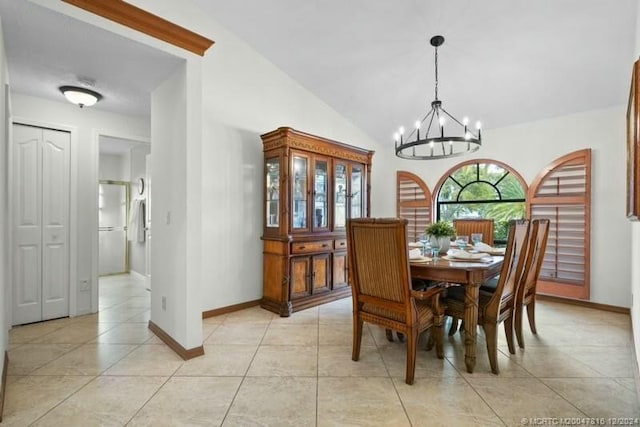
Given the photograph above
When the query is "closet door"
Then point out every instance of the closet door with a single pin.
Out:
(41, 223)
(55, 224)
(27, 220)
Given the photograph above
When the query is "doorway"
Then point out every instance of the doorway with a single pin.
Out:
(123, 217)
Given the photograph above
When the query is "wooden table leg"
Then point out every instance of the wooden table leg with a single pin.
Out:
(471, 297)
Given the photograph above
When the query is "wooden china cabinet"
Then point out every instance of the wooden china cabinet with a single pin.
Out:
(312, 185)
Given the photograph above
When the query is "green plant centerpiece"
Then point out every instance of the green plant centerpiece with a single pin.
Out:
(440, 234)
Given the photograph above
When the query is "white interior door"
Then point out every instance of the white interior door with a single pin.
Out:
(27, 220)
(41, 223)
(56, 147)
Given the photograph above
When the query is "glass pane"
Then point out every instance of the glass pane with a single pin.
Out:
(299, 192)
(273, 192)
(479, 191)
(466, 174)
(320, 202)
(340, 212)
(491, 172)
(510, 188)
(356, 192)
(449, 191)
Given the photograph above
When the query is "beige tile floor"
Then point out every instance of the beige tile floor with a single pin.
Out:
(260, 369)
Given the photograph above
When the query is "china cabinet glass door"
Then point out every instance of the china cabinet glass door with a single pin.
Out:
(340, 196)
(356, 192)
(300, 192)
(272, 181)
(320, 193)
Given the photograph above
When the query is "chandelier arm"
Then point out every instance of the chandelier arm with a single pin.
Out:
(460, 123)
(432, 113)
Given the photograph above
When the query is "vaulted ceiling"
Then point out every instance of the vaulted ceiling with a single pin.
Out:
(503, 61)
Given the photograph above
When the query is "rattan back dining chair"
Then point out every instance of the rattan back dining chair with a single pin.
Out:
(526, 296)
(381, 284)
(467, 227)
(498, 306)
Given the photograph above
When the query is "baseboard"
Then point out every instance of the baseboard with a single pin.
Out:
(583, 303)
(175, 345)
(3, 385)
(230, 308)
(137, 275)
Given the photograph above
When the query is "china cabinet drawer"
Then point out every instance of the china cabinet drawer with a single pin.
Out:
(340, 244)
(308, 247)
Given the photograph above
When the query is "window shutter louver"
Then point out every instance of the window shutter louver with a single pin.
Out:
(413, 203)
(562, 194)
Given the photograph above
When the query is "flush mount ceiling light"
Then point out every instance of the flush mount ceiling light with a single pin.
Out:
(80, 96)
(434, 143)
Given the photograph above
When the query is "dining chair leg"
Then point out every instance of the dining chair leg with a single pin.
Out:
(389, 333)
(454, 326)
(431, 340)
(438, 330)
(412, 347)
(518, 312)
(531, 315)
(492, 345)
(508, 330)
(357, 338)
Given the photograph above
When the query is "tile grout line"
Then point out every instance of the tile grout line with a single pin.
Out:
(65, 399)
(386, 368)
(317, 366)
(244, 377)
(153, 394)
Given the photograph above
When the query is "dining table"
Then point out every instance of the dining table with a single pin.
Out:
(468, 274)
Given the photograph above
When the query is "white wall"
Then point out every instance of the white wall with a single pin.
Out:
(88, 124)
(5, 322)
(137, 254)
(635, 246)
(529, 147)
(114, 167)
(176, 248)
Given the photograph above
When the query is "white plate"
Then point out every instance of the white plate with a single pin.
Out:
(452, 258)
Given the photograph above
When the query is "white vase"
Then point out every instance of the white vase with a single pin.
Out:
(442, 242)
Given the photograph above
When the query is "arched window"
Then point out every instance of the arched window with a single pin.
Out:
(482, 189)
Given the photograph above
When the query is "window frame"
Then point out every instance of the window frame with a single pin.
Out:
(448, 174)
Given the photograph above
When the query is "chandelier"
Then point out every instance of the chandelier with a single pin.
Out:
(432, 143)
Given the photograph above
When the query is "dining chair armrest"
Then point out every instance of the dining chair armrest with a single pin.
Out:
(433, 293)
(428, 293)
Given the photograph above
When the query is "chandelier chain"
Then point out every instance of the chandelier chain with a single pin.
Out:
(436, 62)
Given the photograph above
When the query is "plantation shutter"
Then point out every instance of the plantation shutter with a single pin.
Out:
(413, 203)
(562, 193)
